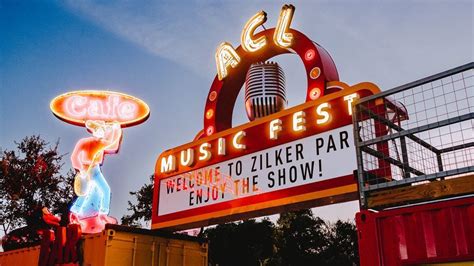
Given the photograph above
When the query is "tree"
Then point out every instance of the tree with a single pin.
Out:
(258, 238)
(342, 248)
(141, 211)
(222, 245)
(30, 178)
(301, 238)
(248, 242)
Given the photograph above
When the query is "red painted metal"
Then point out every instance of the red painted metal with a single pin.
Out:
(429, 233)
(59, 246)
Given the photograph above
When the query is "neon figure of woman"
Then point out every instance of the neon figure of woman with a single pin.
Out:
(90, 185)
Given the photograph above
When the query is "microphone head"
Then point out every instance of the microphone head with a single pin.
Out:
(264, 90)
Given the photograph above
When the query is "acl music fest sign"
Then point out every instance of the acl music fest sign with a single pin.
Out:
(300, 157)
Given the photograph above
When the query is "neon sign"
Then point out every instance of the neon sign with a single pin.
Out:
(282, 37)
(92, 206)
(79, 106)
(258, 168)
(111, 109)
(232, 65)
(275, 163)
(248, 43)
(299, 121)
(227, 56)
(104, 114)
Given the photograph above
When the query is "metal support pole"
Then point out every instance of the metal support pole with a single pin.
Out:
(406, 167)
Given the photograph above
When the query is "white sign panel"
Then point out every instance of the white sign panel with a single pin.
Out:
(308, 160)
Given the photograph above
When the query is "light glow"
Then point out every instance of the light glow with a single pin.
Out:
(109, 109)
(168, 164)
(77, 107)
(89, 152)
(248, 43)
(323, 113)
(212, 96)
(309, 55)
(221, 146)
(89, 183)
(236, 141)
(299, 121)
(210, 130)
(205, 153)
(314, 93)
(314, 73)
(275, 127)
(282, 37)
(209, 114)
(288, 125)
(186, 157)
(349, 99)
(226, 57)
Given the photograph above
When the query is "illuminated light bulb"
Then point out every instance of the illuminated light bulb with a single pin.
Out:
(236, 140)
(275, 127)
(298, 121)
(221, 146)
(282, 37)
(350, 98)
(210, 130)
(212, 96)
(314, 93)
(187, 157)
(314, 73)
(205, 153)
(209, 113)
(225, 56)
(168, 164)
(320, 111)
(309, 55)
(249, 44)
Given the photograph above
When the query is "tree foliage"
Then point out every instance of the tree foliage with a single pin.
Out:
(301, 238)
(30, 178)
(342, 246)
(244, 243)
(298, 238)
(141, 210)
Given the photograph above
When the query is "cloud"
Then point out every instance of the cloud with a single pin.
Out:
(178, 32)
(389, 43)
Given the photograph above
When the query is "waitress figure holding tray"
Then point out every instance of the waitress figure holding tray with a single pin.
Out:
(91, 208)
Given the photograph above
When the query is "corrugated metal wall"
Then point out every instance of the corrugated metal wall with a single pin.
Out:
(429, 233)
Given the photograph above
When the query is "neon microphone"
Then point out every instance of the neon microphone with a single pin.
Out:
(264, 90)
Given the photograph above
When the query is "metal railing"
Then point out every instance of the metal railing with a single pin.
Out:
(416, 133)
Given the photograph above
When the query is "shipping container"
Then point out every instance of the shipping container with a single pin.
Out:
(23, 256)
(425, 234)
(120, 245)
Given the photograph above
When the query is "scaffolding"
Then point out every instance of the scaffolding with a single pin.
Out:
(416, 134)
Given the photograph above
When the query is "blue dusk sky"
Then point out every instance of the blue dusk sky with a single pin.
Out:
(163, 53)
